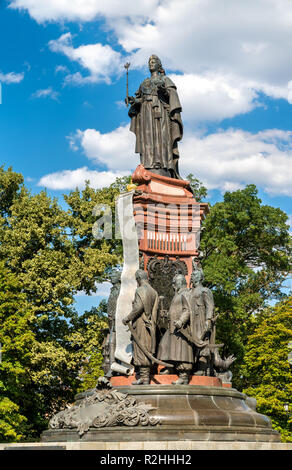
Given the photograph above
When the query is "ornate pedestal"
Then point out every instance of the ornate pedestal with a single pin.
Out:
(168, 220)
(162, 413)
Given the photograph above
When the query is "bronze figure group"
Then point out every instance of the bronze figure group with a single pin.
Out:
(187, 346)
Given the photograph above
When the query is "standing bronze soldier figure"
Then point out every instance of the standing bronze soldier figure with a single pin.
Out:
(109, 343)
(202, 307)
(156, 121)
(174, 346)
(144, 321)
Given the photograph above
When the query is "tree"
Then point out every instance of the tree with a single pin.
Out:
(199, 190)
(267, 375)
(53, 255)
(10, 183)
(87, 337)
(16, 339)
(94, 255)
(246, 257)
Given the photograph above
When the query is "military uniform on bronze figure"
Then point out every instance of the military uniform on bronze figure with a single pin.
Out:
(109, 343)
(188, 344)
(144, 319)
(174, 346)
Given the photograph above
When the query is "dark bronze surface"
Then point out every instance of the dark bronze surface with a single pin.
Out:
(109, 343)
(144, 321)
(155, 114)
(184, 412)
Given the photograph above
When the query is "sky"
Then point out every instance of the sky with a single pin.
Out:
(63, 119)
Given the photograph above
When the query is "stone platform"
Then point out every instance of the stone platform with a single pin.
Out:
(178, 413)
(149, 445)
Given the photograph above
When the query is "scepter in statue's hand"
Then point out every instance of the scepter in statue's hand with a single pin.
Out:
(127, 65)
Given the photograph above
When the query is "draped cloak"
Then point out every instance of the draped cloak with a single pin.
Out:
(156, 122)
(202, 309)
(144, 321)
(193, 308)
(173, 345)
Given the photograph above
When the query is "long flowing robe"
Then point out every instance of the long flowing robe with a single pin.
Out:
(173, 345)
(144, 321)
(202, 309)
(156, 122)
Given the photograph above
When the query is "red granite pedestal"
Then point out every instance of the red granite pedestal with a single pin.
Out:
(168, 219)
(167, 379)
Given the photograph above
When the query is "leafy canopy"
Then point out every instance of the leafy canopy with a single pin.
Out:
(246, 257)
(267, 374)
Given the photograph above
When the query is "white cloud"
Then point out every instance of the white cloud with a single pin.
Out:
(230, 159)
(250, 39)
(213, 96)
(227, 51)
(225, 160)
(253, 36)
(83, 10)
(46, 93)
(11, 77)
(103, 289)
(224, 54)
(241, 48)
(61, 69)
(114, 149)
(71, 179)
(101, 61)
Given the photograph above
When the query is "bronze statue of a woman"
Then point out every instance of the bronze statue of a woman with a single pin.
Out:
(156, 122)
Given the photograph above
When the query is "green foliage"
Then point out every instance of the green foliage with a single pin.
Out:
(10, 183)
(11, 422)
(247, 255)
(52, 255)
(94, 256)
(267, 375)
(16, 339)
(88, 336)
(199, 190)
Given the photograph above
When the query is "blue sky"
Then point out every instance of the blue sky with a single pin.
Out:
(63, 84)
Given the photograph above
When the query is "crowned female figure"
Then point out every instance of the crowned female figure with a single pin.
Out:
(156, 122)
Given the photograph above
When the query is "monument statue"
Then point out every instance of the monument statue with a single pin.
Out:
(174, 346)
(192, 399)
(202, 306)
(155, 114)
(144, 321)
(207, 358)
(109, 343)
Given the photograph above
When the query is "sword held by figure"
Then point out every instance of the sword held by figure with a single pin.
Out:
(144, 350)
